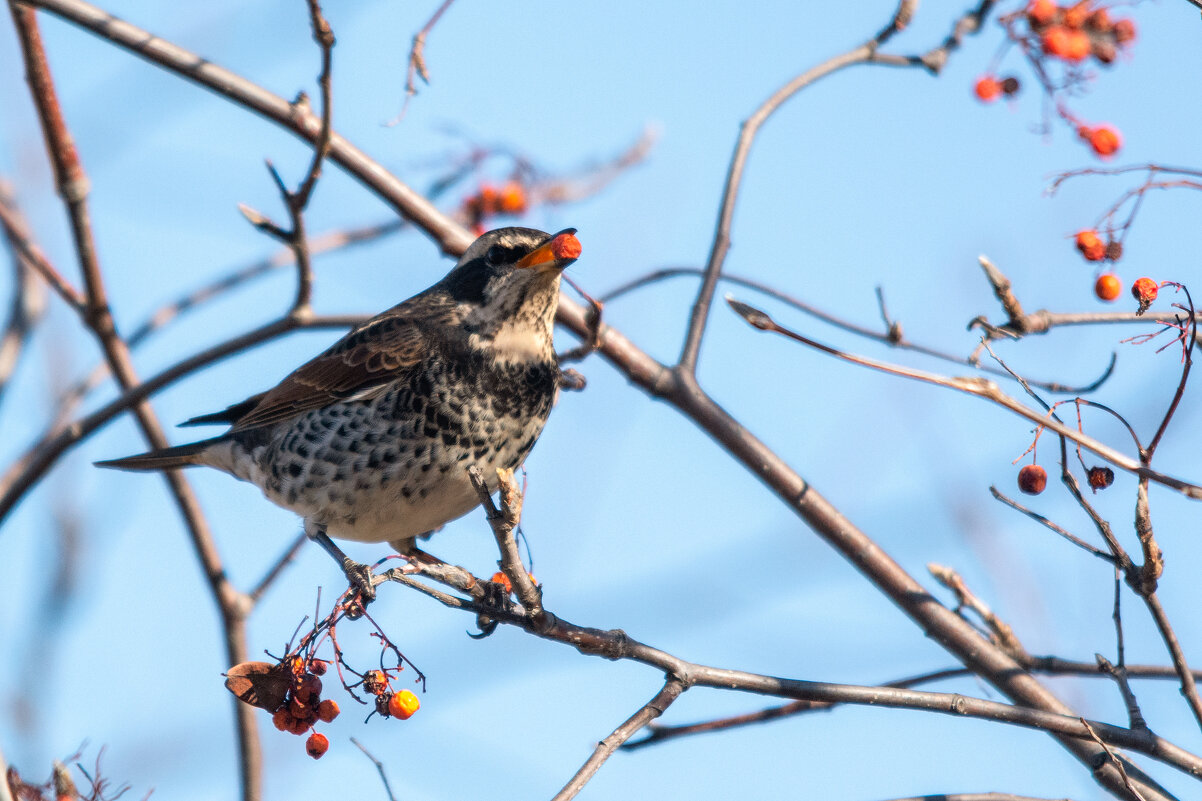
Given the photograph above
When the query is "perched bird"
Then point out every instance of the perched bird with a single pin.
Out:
(372, 439)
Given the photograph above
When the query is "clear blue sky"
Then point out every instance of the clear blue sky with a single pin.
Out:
(636, 520)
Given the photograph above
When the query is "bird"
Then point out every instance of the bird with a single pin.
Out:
(372, 439)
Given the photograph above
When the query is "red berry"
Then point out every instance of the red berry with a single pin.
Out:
(1100, 478)
(1041, 12)
(1108, 287)
(1032, 479)
(987, 88)
(403, 704)
(327, 710)
(1105, 140)
(1091, 245)
(317, 745)
(1144, 290)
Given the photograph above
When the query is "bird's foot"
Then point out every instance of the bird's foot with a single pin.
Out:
(360, 577)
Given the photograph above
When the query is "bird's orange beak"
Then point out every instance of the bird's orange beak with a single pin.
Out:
(556, 253)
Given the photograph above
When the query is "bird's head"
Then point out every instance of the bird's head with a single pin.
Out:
(507, 282)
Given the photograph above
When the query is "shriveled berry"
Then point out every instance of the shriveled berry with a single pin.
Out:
(317, 745)
(1104, 51)
(1032, 479)
(300, 709)
(307, 687)
(1108, 287)
(375, 682)
(1114, 250)
(1145, 291)
(327, 710)
(1091, 245)
(299, 727)
(987, 88)
(1010, 85)
(1124, 31)
(403, 704)
(1041, 12)
(318, 667)
(1104, 139)
(1099, 21)
(1100, 477)
(282, 719)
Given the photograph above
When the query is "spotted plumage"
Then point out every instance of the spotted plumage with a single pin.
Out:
(372, 439)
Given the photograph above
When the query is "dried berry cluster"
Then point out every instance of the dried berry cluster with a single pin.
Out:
(1109, 286)
(303, 705)
(489, 202)
(401, 704)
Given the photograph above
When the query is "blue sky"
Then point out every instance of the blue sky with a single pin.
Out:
(873, 177)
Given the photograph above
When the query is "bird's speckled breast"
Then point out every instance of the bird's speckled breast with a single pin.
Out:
(394, 466)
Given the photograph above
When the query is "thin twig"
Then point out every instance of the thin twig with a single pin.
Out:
(671, 690)
(730, 193)
(379, 768)
(417, 61)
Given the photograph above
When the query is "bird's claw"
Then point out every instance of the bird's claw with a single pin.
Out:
(360, 577)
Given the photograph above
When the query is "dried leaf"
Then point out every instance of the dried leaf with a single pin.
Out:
(261, 684)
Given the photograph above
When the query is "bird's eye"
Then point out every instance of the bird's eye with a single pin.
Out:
(497, 254)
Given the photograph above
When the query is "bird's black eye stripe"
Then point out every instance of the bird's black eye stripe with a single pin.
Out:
(502, 254)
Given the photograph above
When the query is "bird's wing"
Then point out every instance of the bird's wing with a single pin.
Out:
(381, 350)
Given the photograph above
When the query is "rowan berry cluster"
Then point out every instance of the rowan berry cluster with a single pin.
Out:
(1068, 35)
(303, 705)
(489, 201)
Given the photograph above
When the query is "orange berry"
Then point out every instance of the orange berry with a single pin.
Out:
(1075, 16)
(1124, 31)
(300, 726)
(1145, 291)
(1104, 140)
(1077, 46)
(317, 745)
(1055, 40)
(503, 580)
(987, 88)
(1041, 12)
(282, 719)
(327, 710)
(1100, 478)
(1091, 245)
(1032, 479)
(403, 704)
(1108, 287)
(513, 198)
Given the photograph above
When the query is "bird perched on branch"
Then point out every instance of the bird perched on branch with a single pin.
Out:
(372, 439)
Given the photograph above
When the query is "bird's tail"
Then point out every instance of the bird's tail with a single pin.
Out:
(165, 458)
